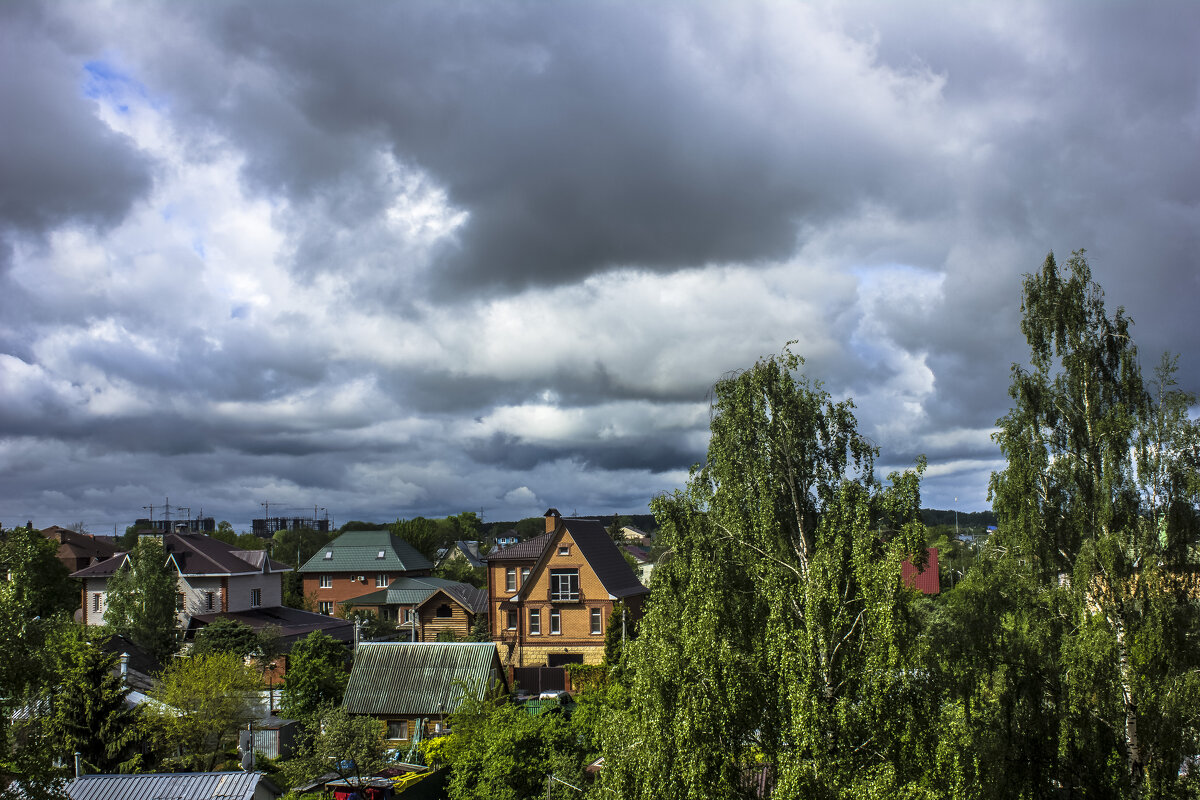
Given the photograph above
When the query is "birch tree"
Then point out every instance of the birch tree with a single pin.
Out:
(778, 636)
(1099, 501)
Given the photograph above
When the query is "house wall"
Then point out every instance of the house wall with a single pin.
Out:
(346, 586)
(459, 620)
(521, 648)
(230, 594)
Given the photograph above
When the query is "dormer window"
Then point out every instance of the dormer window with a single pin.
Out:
(328, 555)
(380, 554)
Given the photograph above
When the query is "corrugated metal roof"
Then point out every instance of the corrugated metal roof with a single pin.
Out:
(418, 679)
(359, 551)
(170, 786)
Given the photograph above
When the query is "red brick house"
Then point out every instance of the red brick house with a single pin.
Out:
(358, 563)
(551, 598)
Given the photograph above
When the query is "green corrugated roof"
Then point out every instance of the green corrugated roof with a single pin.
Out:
(418, 679)
(358, 551)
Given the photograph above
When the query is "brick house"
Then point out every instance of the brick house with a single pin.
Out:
(80, 550)
(550, 598)
(357, 563)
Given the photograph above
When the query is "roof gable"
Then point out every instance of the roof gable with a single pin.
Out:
(419, 679)
(598, 550)
(367, 551)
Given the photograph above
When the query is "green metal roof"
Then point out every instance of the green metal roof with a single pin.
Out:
(419, 679)
(367, 552)
(408, 591)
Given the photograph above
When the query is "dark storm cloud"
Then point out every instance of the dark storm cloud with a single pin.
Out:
(875, 178)
(58, 162)
(577, 137)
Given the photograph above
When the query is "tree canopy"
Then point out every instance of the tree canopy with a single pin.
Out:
(779, 633)
(141, 600)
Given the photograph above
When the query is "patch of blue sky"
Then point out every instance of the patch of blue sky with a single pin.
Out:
(198, 247)
(105, 83)
(240, 311)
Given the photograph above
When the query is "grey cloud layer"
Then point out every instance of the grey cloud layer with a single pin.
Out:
(497, 240)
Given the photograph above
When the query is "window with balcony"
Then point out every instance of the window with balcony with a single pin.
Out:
(597, 621)
(510, 579)
(564, 585)
(555, 621)
(326, 581)
(535, 622)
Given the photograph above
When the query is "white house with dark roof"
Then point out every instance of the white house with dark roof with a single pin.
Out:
(215, 579)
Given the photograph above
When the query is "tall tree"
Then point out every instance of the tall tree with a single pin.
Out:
(202, 703)
(1099, 498)
(89, 712)
(316, 676)
(351, 746)
(779, 631)
(141, 600)
(40, 582)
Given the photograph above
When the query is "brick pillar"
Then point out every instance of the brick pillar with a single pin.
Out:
(224, 594)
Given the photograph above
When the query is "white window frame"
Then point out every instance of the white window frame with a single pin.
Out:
(597, 621)
(97, 601)
(513, 619)
(555, 622)
(381, 580)
(326, 581)
(510, 579)
(564, 585)
(326, 607)
(524, 575)
(255, 597)
(535, 622)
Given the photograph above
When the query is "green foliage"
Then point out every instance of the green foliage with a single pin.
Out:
(202, 702)
(141, 600)
(352, 746)
(461, 571)
(497, 751)
(224, 635)
(316, 676)
(88, 710)
(1099, 499)
(588, 678)
(779, 632)
(40, 582)
(423, 534)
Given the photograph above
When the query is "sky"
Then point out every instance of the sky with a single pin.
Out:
(400, 259)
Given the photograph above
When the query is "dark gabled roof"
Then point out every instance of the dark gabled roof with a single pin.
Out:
(80, 545)
(605, 559)
(293, 623)
(528, 550)
(196, 554)
(472, 599)
(358, 551)
(170, 786)
(421, 678)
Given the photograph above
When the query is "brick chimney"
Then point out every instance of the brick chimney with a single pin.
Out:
(552, 516)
